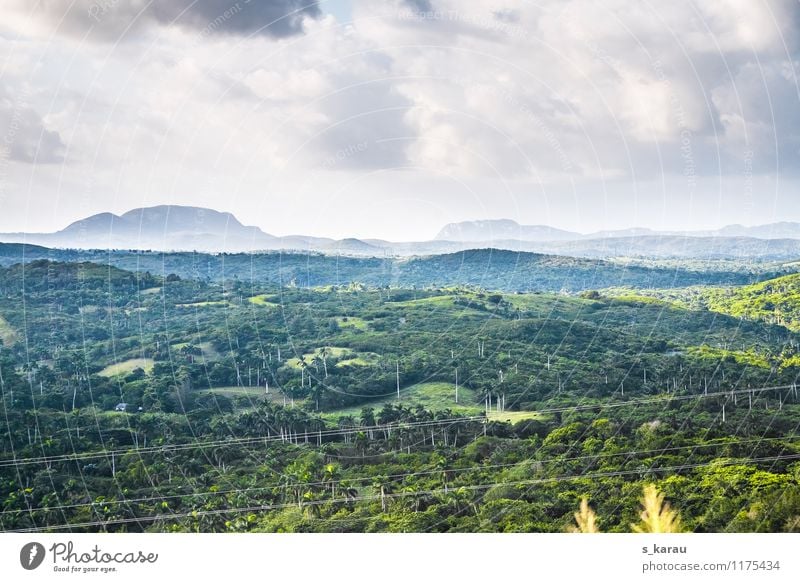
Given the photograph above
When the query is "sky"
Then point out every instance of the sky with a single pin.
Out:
(390, 118)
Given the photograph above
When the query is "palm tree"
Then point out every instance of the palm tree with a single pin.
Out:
(346, 422)
(414, 495)
(361, 443)
(459, 500)
(330, 476)
(317, 392)
(441, 462)
(368, 420)
(324, 355)
(382, 485)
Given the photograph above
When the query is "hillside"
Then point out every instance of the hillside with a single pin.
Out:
(774, 301)
(486, 268)
(520, 271)
(289, 396)
(41, 275)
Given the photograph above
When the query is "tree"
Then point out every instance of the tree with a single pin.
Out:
(330, 476)
(361, 443)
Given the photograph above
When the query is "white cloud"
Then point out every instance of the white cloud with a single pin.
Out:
(553, 92)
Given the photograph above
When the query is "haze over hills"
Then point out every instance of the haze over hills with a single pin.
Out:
(506, 229)
(186, 228)
(503, 229)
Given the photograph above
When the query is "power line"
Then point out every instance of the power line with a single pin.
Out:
(396, 476)
(169, 448)
(269, 507)
(664, 398)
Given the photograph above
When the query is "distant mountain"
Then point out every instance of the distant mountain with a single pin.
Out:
(187, 228)
(489, 230)
(677, 247)
(622, 233)
(354, 246)
(506, 230)
(766, 231)
(156, 228)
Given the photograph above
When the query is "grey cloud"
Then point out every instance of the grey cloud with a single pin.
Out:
(276, 18)
(111, 20)
(507, 15)
(650, 93)
(420, 5)
(368, 128)
(24, 137)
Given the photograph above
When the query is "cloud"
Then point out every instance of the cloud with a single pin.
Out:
(595, 90)
(365, 127)
(24, 136)
(419, 5)
(113, 20)
(553, 94)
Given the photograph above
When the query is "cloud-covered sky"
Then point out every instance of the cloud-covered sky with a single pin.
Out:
(389, 118)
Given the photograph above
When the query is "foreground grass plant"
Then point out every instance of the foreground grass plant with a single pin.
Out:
(656, 515)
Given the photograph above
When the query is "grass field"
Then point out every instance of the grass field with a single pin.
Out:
(7, 334)
(127, 366)
(353, 322)
(362, 359)
(251, 391)
(439, 301)
(434, 396)
(515, 416)
(264, 300)
(333, 352)
(254, 393)
(204, 304)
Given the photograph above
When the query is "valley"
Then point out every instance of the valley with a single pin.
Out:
(479, 391)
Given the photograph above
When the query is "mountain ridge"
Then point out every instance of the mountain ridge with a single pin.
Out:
(190, 228)
(476, 231)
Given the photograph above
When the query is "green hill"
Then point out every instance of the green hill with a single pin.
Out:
(42, 274)
(500, 270)
(775, 301)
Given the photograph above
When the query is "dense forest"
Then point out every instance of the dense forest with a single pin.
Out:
(479, 391)
(500, 270)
